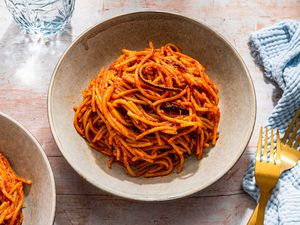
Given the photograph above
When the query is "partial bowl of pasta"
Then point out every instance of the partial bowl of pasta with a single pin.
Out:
(151, 106)
(28, 190)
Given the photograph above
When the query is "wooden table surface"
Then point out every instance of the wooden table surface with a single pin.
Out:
(25, 71)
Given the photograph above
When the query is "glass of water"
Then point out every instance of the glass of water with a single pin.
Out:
(41, 17)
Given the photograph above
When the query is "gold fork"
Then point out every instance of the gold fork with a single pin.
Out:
(289, 155)
(267, 172)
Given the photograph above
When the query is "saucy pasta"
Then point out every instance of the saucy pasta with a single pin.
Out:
(149, 110)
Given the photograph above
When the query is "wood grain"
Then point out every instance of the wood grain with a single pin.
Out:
(25, 71)
(104, 210)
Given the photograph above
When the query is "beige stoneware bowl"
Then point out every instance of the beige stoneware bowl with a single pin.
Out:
(28, 160)
(101, 45)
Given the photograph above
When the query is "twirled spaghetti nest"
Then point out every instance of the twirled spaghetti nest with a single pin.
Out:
(149, 110)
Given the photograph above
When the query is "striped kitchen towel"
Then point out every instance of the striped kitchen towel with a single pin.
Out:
(277, 50)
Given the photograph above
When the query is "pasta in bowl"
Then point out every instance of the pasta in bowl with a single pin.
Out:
(149, 110)
(27, 189)
(228, 80)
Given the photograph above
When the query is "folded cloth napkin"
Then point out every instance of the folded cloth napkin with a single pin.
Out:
(277, 50)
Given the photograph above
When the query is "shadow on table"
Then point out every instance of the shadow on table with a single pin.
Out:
(78, 202)
(106, 210)
(29, 62)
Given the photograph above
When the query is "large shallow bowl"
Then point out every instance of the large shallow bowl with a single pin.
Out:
(101, 45)
(28, 160)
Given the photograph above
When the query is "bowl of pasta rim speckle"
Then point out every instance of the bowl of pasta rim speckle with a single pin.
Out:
(98, 47)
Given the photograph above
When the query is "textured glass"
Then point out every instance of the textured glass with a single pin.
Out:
(42, 17)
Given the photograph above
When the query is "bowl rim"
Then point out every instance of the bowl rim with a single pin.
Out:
(191, 191)
(44, 156)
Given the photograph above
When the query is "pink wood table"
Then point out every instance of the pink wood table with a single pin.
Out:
(25, 71)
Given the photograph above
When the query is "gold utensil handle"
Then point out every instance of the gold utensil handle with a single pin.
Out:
(253, 218)
(263, 200)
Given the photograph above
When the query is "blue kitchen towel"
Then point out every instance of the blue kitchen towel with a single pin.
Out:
(277, 50)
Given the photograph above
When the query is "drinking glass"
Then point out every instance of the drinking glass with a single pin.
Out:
(41, 17)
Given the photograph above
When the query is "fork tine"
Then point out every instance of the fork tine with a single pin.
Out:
(272, 147)
(290, 142)
(297, 142)
(288, 131)
(264, 158)
(258, 151)
(278, 148)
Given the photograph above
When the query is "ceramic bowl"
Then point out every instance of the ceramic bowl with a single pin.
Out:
(28, 160)
(100, 46)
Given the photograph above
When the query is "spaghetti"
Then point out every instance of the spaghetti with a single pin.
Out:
(150, 110)
(11, 194)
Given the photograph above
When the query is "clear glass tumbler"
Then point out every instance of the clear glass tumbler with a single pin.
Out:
(41, 17)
